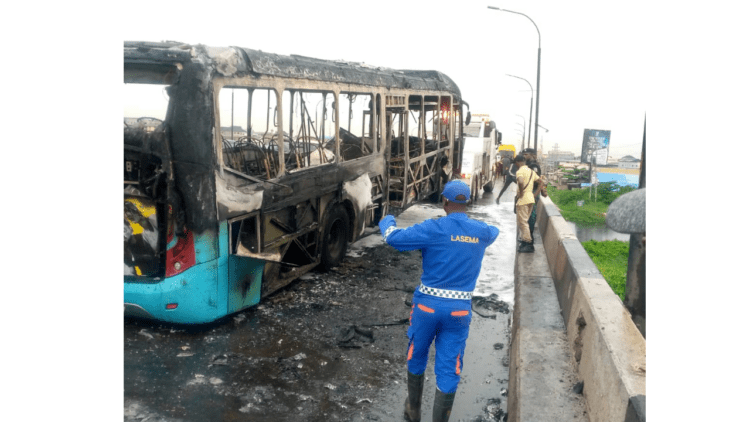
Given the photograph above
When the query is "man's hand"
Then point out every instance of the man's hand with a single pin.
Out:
(383, 218)
(387, 226)
(386, 222)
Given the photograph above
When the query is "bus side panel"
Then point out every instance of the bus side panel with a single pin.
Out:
(195, 291)
(244, 275)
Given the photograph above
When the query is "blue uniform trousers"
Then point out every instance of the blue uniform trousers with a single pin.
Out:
(449, 328)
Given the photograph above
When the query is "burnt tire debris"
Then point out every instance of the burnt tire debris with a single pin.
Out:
(354, 337)
(488, 306)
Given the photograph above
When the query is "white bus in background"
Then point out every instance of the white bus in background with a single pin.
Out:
(479, 157)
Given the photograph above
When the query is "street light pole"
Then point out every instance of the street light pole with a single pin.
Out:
(524, 125)
(538, 66)
(531, 105)
(522, 135)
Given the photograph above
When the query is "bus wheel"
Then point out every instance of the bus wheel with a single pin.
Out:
(489, 186)
(335, 238)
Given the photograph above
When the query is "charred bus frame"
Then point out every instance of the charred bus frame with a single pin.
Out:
(248, 185)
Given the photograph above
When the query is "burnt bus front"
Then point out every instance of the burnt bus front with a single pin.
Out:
(172, 257)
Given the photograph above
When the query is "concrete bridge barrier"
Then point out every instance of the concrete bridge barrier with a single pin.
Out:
(570, 327)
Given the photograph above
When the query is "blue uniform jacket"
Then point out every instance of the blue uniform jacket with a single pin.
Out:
(452, 251)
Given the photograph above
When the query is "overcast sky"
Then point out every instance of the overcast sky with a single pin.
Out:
(590, 69)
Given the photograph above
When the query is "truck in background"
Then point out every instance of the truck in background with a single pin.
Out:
(479, 157)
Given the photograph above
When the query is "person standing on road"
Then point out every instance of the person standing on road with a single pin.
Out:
(525, 178)
(452, 251)
(506, 164)
(497, 170)
(510, 177)
(540, 188)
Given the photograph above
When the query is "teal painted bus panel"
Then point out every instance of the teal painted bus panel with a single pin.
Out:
(195, 292)
(199, 295)
(206, 247)
(245, 276)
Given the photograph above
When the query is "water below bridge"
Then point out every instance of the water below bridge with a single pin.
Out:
(599, 233)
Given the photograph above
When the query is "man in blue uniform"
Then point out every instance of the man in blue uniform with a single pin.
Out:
(452, 251)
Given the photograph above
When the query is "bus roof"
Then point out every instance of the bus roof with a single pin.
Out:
(231, 60)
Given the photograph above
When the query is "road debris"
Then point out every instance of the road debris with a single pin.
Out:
(146, 334)
(494, 410)
(355, 337)
(578, 388)
(486, 306)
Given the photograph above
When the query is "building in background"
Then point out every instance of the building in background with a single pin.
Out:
(629, 162)
(234, 132)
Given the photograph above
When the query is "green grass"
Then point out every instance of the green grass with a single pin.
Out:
(611, 257)
(592, 211)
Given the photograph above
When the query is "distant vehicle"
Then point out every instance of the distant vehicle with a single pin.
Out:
(505, 151)
(479, 158)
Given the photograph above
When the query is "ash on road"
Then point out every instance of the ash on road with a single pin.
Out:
(330, 347)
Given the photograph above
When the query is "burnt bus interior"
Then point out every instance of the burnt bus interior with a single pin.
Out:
(152, 203)
(421, 172)
(145, 189)
(308, 140)
(289, 237)
(201, 149)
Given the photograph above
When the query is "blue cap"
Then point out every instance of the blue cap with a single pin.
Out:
(457, 191)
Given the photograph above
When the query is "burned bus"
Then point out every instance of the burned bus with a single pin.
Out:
(245, 169)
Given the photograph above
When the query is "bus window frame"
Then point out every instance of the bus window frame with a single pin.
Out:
(220, 84)
(372, 128)
(293, 91)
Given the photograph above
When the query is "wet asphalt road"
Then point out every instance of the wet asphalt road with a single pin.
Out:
(276, 362)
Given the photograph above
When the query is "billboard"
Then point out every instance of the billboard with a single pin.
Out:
(595, 144)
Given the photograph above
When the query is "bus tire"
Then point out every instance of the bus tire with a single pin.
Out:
(489, 186)
(335, 238)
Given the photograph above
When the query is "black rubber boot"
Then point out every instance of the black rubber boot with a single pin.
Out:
(413, 403)
(531, 229)
(526, 247)
(441, 410)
